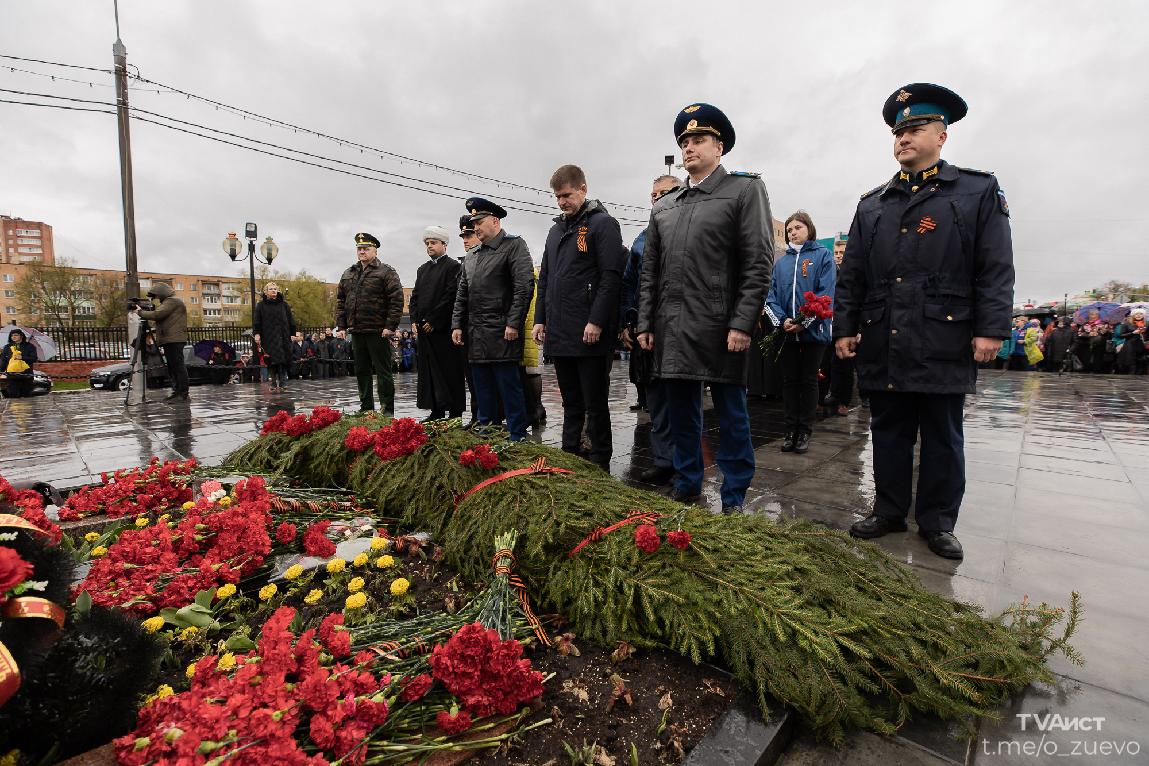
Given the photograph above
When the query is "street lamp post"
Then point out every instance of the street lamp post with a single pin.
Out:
(233, 246)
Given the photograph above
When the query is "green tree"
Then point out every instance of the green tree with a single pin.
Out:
(53, 292)
(109, 299)
(312, 300)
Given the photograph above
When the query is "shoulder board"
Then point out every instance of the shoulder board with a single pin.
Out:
(512, 236)
(873, 191)
(975, 171)
(744, 174)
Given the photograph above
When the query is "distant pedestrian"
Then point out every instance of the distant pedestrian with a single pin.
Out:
(272, 330)
(369, 305)
(17, 361)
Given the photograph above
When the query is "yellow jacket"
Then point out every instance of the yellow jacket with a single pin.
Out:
(530, 348)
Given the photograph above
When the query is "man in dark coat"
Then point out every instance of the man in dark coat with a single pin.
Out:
(651, 392)
(441, 375)
(927, 281)
(369, 305)
(576, 311)
(705, 272)
(495, 288)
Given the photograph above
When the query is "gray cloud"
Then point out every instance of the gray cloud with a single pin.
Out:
(513, 89)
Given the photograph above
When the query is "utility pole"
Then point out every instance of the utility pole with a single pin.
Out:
(120, 57)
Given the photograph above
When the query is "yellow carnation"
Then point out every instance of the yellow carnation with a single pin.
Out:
(226, 662)
(360, 560)
(224, 501)
(384, 562)
(188, 505)
(163, 691)
(188, 633)
(142, 521)
(92, 537)
(356, 601)
(190, 672)
(164, 517)
(225, 591)
(399, 586)
(378, 543)
(152, 624)
(293, 571)
(267, 591)
(336, 565)
(313, 596)
(356, 584)
(98, 551)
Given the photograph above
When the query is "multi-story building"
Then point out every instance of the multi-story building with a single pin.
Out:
(24, 241)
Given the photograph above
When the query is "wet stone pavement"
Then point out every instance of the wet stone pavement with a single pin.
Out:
(1057, 500)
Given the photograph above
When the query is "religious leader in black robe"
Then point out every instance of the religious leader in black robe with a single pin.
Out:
(442, 365)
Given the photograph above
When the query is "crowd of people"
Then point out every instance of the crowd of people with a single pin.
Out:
(1088, 344)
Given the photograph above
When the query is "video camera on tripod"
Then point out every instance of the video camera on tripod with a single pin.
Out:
(141, 303)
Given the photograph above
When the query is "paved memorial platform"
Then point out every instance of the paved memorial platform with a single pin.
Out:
(1057, 500)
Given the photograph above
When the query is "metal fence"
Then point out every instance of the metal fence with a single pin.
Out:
(77, 344)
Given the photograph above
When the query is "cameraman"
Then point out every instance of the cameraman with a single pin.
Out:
(171, 318)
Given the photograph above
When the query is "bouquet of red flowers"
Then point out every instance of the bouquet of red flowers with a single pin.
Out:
(155, 487)
(814, 306)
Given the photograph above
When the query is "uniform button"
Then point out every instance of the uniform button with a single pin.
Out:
(949, 318)
(913, 188)
(893, 332)
(899, 279)
(890, 386)
(904, 231)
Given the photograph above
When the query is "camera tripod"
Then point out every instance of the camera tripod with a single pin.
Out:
(138, 346)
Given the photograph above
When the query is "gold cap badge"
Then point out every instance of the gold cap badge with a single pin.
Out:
(903, 95)
(474, 211)
(691, 109)
(692, 125)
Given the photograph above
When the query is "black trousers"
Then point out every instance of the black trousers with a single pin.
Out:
(177, 372)
(841, 379)
(584, 382)
(800, 362)
(896, 419)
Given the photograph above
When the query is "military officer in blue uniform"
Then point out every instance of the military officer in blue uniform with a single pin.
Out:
(705, 272)
(924, 294)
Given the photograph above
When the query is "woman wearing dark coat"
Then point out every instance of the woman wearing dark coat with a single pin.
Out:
(273, 327)
(1057, 346)
(17, 359)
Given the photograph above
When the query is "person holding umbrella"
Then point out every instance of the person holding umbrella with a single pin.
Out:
(16, 360)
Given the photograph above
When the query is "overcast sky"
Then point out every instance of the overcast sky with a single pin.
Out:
(511, 90)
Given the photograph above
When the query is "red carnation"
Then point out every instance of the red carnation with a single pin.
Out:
(487, 674)
(285, 533)
(336, 641)
(13, 570)
(467, 458)
(453, 724)
(415, 688)
(679, 539)
(315, 542)
(359, 439)
(646, 538)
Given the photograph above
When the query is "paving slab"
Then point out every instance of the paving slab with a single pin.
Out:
(1057, 499)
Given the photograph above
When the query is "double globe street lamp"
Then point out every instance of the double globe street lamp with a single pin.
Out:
(233, 246)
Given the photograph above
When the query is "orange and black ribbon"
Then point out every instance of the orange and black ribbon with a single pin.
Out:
(34, 606)
(637, 517)
(521, 591)
(539, 466)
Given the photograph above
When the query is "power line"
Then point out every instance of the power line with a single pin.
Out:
(280, 156)
(341, 142)
(55, 63)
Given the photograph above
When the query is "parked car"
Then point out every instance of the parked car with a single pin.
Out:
(41, 383)
(114, 377)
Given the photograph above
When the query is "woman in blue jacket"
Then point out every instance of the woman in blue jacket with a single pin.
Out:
(806, 266)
